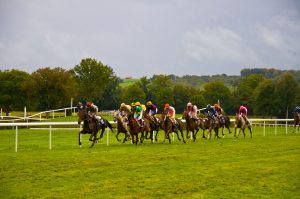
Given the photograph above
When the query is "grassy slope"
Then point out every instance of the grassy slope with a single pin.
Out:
(128, 82)
(264, 167)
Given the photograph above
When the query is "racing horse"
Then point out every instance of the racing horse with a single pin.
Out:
(168, 126)
(191, 125)
(213, 123)
(122, 126)
(241, 123)
(154, 125)
(135, 129)
(224, 123)
(90, 126)
(296, 121)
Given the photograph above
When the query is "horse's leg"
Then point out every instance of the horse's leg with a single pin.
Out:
(101, 135)
(90, 139)
(117, 136)
(156, 134)
(176, 131)
(94, 140)
(238, 132)
(250, 129)
(223, 134)
(244, 133)
(137, 139)
(80, 139)
(169, 137)
(203, 136)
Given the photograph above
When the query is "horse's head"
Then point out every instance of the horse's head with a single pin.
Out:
(116, 115)
(185, 115)
(82, 115)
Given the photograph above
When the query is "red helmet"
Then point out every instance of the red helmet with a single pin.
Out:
(167, 105)
(88, 104)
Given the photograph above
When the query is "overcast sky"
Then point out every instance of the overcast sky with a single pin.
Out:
(145, 37)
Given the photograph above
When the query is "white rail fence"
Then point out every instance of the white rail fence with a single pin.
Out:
(37, 116)
(263, 122)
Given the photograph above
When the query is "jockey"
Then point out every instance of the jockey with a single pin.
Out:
(170, 112)
(125, 109)
(243, 112)
(192, 111)
(218, 109)
(92, 110)
(151, 110)
(297, 110)
(210, 109)
(137, 109)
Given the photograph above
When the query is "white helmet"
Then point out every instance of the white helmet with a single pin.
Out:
(189, 104)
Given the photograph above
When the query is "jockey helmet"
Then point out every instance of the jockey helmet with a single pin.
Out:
(133, 104)
(122, 105)
(88, 104)
(189, 104)
(138, 104)
(167, 105)
(208, 106)
(149, 103)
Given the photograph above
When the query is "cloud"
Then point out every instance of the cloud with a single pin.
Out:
(217, 45)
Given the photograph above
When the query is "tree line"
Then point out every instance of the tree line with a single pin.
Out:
(50, 88)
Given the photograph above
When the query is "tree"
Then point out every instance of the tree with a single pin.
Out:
(287, 94)
(17, 89)
(55, 87)
(161, 91)
(133, 93)
(182, 95)
(93, 79)
(264, 95)
(243, 93)
(216, 90)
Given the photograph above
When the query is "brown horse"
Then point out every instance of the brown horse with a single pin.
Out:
(224, 123)
(90, 126)
(135, 129)
(296, 121)
(191, 125)
(122, 126)
(213, 123)
(154, 123)
(168, 126)
(241, 123)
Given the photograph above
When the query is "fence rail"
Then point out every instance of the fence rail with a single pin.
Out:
(51, 124)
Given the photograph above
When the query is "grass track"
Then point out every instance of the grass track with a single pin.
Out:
(264, 167)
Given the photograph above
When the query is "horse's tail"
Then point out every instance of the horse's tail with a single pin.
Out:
(110, 126)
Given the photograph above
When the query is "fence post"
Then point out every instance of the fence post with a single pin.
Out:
(264, 128)
(275, 127)
(52, 114)
(65, 112)
(1, 114)
(286, 125)
(16, 138)
(107, 136)
(50, 138)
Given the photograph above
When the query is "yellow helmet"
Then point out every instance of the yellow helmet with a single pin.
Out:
(138, 104)
(149, 103)
(123, 105)
(133, 104)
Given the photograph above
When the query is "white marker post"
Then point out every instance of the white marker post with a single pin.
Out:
(16, 138)
(50, 138)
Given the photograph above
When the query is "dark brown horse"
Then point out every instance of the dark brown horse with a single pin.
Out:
(296, 121)
(224, 123)
(121, 126)
(90, 126)
(168, 126)
(241, 123)
(135, 129)
(154, 123)
(191, 125)
(213, 123)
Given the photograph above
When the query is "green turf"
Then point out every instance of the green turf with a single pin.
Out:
(264, 167)
(128, 82)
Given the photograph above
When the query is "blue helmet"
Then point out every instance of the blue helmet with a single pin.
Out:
(208, 106)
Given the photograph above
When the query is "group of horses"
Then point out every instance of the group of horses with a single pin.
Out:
(136, 132)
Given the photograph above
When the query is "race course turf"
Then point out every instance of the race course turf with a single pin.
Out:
(262, 167)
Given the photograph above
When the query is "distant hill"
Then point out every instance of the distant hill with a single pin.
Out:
(128, 82)
(270, 73)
